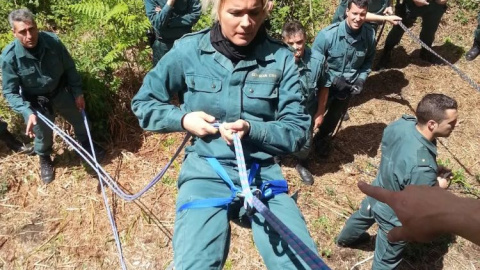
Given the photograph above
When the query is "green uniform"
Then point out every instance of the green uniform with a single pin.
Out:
(311, 69)
(408, 158)
(374, 6)
(477, 31)
(431, 15)
(349, 55)
(171, 23)
(263, 89)
(3, 126)
(47, 70)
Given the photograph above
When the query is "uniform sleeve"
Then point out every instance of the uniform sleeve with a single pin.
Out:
(158, 19)
(189, 19)
(320, 46)
(423, 175)
(74, 80)
(11, 89)
(152, 105)
(366, 68)
(287, 133)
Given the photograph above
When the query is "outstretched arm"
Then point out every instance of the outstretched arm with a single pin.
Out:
(427, 212)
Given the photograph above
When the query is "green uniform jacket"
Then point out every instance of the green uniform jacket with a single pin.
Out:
(408, 158)
(311, 68)
(263, 89)
(20, 69)
(345, 55)
(173, 22)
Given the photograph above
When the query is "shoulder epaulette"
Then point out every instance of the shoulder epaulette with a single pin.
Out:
(203, 31)
(424, 158)
(277, 41)
(331, 26)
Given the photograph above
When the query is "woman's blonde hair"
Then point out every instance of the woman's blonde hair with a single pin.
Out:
(217, 4)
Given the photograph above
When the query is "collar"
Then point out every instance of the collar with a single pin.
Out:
(342, 32)
(259, 54)
(430, 145)
(20, 51)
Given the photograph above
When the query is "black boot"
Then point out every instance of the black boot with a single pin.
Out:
(305, 174)
(384, 60)
(364, 238)
(430, 57)
(14, 144)
(99, 151)
(473, 52)
(47, 171)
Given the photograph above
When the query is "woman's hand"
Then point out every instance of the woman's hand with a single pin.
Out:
(241, 127)
(199, 124)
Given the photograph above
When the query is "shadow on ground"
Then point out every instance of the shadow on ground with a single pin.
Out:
(400, 59)
(364, 139)
(426, 256)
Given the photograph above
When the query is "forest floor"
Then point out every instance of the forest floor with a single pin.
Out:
(64, 225)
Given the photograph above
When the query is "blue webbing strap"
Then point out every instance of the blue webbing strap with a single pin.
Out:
(307, 255)
(214, 202)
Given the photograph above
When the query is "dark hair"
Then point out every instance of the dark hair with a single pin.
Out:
(358, 3)
(291, 28)
(433, 107)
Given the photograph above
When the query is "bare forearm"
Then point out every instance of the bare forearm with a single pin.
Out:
(322, 100)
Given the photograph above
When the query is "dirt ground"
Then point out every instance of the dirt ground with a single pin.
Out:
(64, 225)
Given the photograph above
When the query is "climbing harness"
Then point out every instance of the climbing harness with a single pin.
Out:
(455, 68)
(267, 190)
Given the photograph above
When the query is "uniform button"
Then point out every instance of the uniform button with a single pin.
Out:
(213, 86)
(275, 91)
(423, 160)
(193, 82)
(250, 90)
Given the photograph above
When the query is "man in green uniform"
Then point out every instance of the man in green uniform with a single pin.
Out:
(10, 141)
(349, 49)
(475, 50)
(39, 75)
(311, 69)
(170, 19)
(431, 12)
(378, 11)
(409, 155)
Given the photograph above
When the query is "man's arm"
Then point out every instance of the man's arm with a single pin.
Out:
(158, 16)
(427, 212)
(322, 105)
(11, 89)
(74, 80)
(189, 19)
(372, 17)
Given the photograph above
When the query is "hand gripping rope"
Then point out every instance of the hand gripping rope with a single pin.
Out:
(310, 258)
(455, 68)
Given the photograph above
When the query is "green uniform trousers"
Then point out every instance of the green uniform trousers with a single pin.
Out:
(387, 255)
(477, 31)
(431, 16)
(160, 48)
(3, 126)
(202, 236)
(63, 104)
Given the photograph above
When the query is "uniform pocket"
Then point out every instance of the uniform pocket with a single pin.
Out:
(335, 59)
(260, 100)
(28, 76)
(203, 93)
(358, 59)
